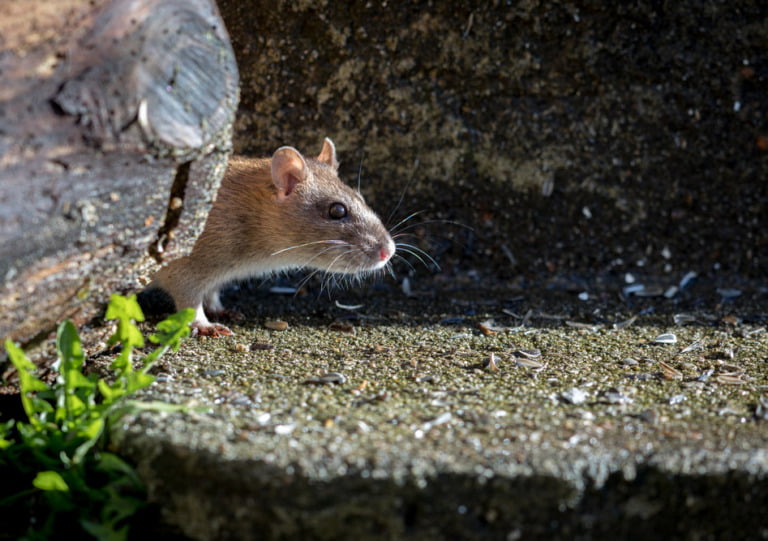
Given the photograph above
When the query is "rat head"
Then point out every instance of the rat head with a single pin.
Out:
(325, 223)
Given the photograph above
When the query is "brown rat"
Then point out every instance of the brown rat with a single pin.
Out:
(275, 214)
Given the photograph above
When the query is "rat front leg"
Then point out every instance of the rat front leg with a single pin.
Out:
(183, 284)
(202, 327)
(213, 303)
(215, 308)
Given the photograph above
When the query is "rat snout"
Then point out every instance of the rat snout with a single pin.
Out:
(385, 252)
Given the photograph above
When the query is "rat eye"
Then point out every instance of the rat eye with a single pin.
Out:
(337, 211)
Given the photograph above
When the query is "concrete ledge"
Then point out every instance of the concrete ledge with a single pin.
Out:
(420, 440)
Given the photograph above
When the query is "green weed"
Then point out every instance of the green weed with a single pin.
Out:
(55, 468)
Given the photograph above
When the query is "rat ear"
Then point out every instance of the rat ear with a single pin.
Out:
(328, 154)
(288, 170)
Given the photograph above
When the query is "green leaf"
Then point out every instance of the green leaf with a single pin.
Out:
(28, 383)
(133, 336)
(104, 531)
(138, 380)
(69, 403)
(121, 307)
(69, 347)
(93, 432)
(77, 381)
(108, 392)
(18, 358)
(122, 362)
(128, 335)
(74, 408)
(172, 330)
(93, 429)
(5, 444)
(110, 462)
(50, 480)
(125, 310)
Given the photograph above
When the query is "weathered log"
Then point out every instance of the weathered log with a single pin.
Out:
(115, 125)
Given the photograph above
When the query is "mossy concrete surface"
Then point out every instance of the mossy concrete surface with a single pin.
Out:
(391, 421)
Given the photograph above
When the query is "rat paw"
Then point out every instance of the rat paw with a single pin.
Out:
(214, 330)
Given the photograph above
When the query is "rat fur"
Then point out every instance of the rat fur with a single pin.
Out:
(271, 215)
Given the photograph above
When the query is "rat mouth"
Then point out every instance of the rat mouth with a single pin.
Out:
(379, 264)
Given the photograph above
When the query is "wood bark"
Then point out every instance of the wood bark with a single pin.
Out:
(115, 126)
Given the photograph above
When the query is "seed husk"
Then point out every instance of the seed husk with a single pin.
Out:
(574, 396)
(491, 362)
(698, 344)
(683, 319)
(730, 379)
(349, 306)
(670, 372)
(528, 363)
(625, 323)
(666, 338)
(342, 327)
(276, 324)
(580, 325)
(282, 290)
(485, 328)
(529, 353)
(328, 377)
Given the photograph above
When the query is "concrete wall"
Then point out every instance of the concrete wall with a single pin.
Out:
(572, 136)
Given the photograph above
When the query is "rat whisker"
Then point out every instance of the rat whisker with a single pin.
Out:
(306, 279)
(360, 170)
(323, 278)
(335, 259)
(398, 224)
(307, 244)
(333, 281)
(390, 270)
(404, 260)
(415, 251)
(405, 189)
(309, 261)
(449, 222)
(325, 282)
(417, 256)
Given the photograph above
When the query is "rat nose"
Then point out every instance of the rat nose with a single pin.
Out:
(386, 251)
